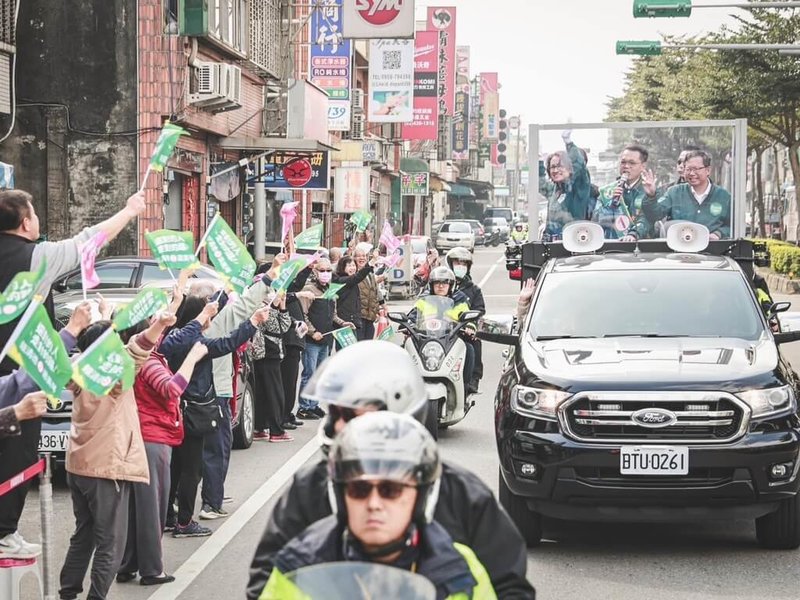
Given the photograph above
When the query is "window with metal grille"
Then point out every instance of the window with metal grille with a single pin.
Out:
(7, 25)
(227, 21)
(265, 36)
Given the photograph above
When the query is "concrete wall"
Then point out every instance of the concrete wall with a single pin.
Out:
(74, 142)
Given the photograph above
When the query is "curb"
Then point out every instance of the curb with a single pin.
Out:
(780, 284)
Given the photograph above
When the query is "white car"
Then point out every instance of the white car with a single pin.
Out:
(455, 234)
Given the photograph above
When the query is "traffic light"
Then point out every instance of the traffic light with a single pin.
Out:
(502, 137)
(639, 48)
(662, 8)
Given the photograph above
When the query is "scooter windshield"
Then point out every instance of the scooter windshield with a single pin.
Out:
(436, 315)
(356, 581)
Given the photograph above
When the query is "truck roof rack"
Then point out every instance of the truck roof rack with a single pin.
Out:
(744, 251)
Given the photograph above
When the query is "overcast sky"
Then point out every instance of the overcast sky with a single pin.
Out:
(556, 58)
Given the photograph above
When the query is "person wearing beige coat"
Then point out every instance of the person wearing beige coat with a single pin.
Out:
(105, 454)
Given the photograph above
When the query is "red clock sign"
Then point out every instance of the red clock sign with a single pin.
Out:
(298, 173)
(379, 12)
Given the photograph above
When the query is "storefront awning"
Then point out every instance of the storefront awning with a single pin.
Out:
(274, 143)
(413, 165)
(438, 185)
(457, 189)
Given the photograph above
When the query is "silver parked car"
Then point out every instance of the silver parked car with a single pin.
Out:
(455, 234)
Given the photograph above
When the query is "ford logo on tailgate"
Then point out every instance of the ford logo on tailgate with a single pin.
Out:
(654, 417)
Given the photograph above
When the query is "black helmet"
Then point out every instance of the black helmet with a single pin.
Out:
(371, 373)
(386, 446)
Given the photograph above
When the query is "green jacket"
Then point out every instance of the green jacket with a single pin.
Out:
(571, 201)
(279, 587)
(679, 204)
(607, 212)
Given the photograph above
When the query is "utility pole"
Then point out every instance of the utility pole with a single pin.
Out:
(515, 123)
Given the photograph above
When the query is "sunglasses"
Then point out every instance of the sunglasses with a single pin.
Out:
(324, 270)
(341, 412)
(361, 490)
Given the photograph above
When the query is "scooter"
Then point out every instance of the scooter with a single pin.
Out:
(436, 347)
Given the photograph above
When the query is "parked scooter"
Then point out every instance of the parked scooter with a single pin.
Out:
(436, 347)
(493, 239)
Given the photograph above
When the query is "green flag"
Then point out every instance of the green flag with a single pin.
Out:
(17, 296)
(387, 334)
(229, 255)
(103, 364)
(361, 219)
(172, 249)
(165, 145)
(333, 291)
(39, 351)
(309, 239)
(146, 303)
(345, 336)
(287, 274)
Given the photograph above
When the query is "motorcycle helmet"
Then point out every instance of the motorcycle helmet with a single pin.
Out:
(442, 274)
(372, 373)
(460, 254)
(390, 447)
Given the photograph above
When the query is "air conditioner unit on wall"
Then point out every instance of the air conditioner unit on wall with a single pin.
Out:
(234, 79)
(216, 86)
(357, 127)
(358, 100)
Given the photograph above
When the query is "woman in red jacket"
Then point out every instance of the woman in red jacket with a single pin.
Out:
(158, 393)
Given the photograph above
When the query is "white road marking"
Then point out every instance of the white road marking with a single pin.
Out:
(205, 554)
(491, 272)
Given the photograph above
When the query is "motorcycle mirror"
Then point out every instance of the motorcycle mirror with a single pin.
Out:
(469, 315)
(397, 317)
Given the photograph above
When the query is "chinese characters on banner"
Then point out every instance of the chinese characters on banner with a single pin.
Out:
(351, 189)
(331, 62)
(461, 125)
(490, 102)
(442, 19)
(462, 65)
(414, 184)
(426, 94)
(391, 81)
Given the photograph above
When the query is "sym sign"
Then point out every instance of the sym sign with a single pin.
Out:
(371, 19)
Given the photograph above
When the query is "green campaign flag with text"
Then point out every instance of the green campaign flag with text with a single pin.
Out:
(146, 303)
(165, 145)
(333, 291)
(103, 364)
(287, 274)
(172, 249)
(38, 350)
(387, 334)
(309, 239)
(345, 336)
(19, 293)
(229, 255)
(361, 219)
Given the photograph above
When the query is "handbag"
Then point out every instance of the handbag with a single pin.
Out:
(256, 348)
(201, 415)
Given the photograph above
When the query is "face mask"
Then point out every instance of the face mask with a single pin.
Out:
(324, 277)
(460, 271)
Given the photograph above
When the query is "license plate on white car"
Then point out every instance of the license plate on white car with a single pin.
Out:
(650, 460)
(53, 441)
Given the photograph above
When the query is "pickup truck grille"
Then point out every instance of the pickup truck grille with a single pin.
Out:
(631, 417)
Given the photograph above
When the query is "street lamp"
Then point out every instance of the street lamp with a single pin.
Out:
(643, 9)
(654, 47)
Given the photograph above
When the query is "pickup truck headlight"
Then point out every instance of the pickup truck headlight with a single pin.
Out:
(432, 356)
(770, 402)
(537, 402)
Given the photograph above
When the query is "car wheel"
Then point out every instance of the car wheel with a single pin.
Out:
(780, 530)
(243, 432)
(528, 522)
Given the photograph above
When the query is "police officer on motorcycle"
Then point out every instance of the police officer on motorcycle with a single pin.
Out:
(377, 375)
(384, 470)
(460, 262)
(520, 232)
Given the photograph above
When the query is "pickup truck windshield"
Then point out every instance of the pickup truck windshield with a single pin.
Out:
(662, 303)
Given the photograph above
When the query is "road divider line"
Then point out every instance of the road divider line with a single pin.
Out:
(490, 273)
(205, 554)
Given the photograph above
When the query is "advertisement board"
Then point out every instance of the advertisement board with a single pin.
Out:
(414, 184)
(442, 19)
(331, 62)
(370, 19)
(391, 81)
(351, 189)
(425, 125)
(490, 101)
(461, 125)
(296, 171)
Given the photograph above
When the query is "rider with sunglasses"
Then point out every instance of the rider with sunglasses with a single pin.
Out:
(380, 376)
(384, 470)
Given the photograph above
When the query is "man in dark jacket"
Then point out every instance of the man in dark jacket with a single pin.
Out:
(460, 262)
(19, 251)
(465, 508)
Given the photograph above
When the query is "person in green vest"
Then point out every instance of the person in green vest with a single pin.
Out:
(620, 202)
(384, 470)
(698, 200)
